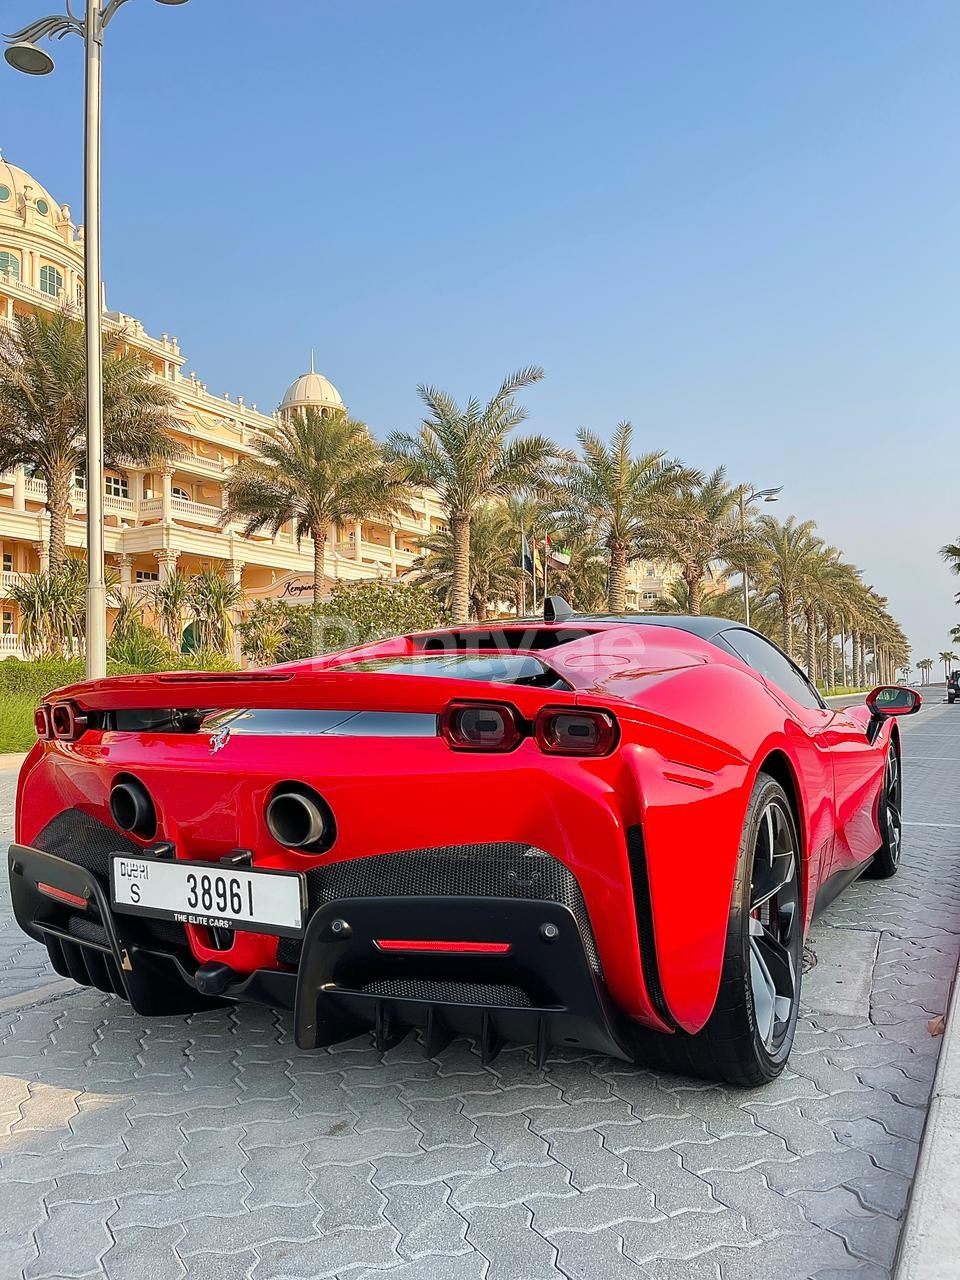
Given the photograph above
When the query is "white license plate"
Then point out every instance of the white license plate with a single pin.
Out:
(209, 894)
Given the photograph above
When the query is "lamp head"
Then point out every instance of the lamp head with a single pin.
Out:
(29, 58)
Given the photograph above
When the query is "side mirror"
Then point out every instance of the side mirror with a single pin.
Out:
(893, 700)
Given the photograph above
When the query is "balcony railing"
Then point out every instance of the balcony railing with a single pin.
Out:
(10, 646)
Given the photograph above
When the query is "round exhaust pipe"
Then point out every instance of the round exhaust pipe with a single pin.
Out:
(298, 818)
(132, 809)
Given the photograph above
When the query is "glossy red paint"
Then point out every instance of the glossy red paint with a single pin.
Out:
(695, 727)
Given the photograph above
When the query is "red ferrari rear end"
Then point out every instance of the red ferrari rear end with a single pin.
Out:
(393, 837)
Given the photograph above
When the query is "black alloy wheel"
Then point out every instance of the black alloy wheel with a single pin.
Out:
(886, 861)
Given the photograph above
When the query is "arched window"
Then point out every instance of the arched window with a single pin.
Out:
(51, 282)
(177, 492)
(9, 265)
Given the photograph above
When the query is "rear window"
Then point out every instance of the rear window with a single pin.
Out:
(500, 668)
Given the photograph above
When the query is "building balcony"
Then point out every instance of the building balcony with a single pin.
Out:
(10, 647)
(10, 579)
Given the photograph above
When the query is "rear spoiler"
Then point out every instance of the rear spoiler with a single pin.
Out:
(331, 690)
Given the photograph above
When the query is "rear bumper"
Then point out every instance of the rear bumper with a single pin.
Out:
(544, 989)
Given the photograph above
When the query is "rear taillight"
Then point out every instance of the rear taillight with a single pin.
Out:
(67, 722)
(41, 722)
(481, 726)
(576, 733)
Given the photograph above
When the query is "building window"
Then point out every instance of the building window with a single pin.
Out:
(8, 562)
(51, 282)
(117, 486)
(79, 479)
(4, 194)
(6, 625)
(651, 595)
(9, 266)
(79, 294)
(147, 575)
(42, 207)
(182, 494)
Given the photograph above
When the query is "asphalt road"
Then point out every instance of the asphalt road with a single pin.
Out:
(211, 1147)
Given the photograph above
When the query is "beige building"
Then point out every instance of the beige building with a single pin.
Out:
(161, 520)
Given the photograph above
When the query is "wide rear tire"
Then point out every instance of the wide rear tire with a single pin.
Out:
(886, 861)
(748, 1037)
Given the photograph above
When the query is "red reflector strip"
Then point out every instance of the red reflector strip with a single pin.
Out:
(61, 895)
(452, 948)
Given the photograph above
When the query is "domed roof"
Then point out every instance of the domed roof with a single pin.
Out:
(311, 390)
(16, 183)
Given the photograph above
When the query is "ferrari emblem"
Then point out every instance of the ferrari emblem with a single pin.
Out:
(219, 739)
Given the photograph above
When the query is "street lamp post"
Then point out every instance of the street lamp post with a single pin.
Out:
(24, 54)
(768, 495)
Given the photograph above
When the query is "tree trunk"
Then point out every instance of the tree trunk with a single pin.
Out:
(843, 651)
(854, 649)
(518, 594)
(617, 586)
(810, 613)
(58, 504)
(831, 659)
(480, 607)
(786, 618)
(460, 589)
(694, 592)
(319, 533)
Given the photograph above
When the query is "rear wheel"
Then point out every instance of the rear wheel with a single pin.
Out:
(748, 1037)
(886, 861)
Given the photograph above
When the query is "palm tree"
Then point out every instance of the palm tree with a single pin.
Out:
(951, 554)
(317, 471)
(52, 608)
(786, 549)
(699, 529)
(947, 657)
(925, 666)
(43, 409)
(463, 453)
(170, 600)
(816, 582)
(494, 560)
(715, 604)
(620, 500)
(212, 598)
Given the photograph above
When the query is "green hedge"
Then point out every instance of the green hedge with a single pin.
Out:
(24, 684)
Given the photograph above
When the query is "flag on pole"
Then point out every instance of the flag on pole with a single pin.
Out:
(526, 558)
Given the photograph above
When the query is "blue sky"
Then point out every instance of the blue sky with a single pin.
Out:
(736, 225)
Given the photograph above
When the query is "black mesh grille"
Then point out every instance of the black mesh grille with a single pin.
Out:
(77, 837)
(497, 994)
(501, 870)
(88, 930)
(87, 842)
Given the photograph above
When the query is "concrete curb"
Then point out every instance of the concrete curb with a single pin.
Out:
(929, 1246)
(12, 761)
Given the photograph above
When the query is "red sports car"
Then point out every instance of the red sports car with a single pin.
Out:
(595, 831)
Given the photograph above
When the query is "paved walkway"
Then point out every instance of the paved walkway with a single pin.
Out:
(210, 1147)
